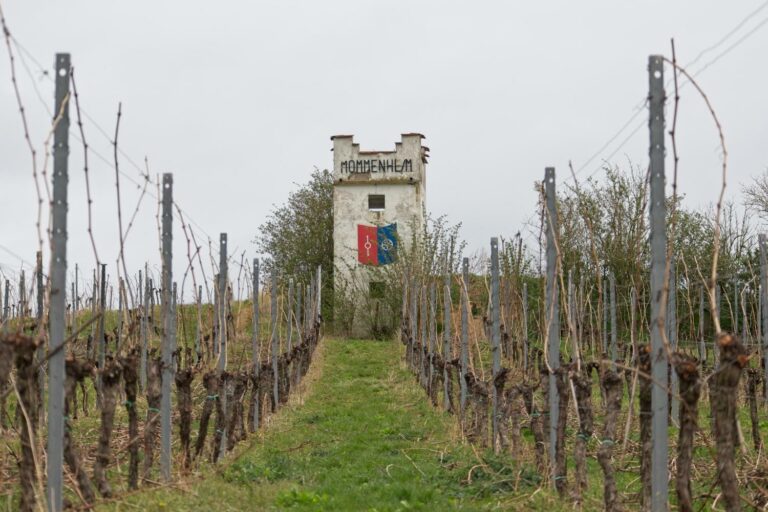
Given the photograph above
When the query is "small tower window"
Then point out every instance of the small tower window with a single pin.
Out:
(376, 202)
(376, 289)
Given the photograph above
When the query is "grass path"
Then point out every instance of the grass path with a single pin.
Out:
(365, 438)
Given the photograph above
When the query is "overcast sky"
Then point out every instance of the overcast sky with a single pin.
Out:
(239, 99)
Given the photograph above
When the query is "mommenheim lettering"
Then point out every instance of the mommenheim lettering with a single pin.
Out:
(376, 166)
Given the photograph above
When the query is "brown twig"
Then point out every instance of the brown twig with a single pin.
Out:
(25, 124)
(121, 233)
(724, 155)
(85, 168)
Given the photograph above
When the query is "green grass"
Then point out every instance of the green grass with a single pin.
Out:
(364, 439)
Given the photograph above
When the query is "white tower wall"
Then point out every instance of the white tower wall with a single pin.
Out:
(399, 175)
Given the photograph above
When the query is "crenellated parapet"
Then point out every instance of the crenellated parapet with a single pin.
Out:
(406, 163)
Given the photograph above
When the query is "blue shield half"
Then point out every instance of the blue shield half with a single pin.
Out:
(387, 242)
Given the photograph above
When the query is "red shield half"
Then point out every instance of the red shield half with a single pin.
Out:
(367, 245)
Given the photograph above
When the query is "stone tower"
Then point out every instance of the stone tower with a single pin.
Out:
(378, 199)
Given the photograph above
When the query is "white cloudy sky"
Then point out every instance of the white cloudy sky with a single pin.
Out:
(238, 100)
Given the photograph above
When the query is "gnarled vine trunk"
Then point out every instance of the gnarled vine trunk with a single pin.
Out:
(183, 379)
(211, 385)
(76, 371)
(130, 365)
(723, 393)
(564, 395)
(646, 414)
(582, 384)
(154, 366)
(24, 348)
(611, 383)
(110, 379)
(687, 370)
